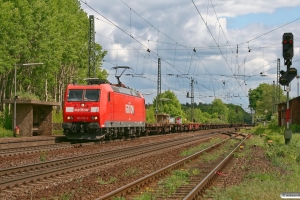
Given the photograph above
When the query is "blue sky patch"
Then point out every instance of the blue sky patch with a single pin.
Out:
(279, 17)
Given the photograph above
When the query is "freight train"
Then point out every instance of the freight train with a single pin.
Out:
(101, 110)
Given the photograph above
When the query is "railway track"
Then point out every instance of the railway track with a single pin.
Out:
(34, 173)
(19, 146)
(16, 142)
(197, 183)
(27, 147)
(34, 149)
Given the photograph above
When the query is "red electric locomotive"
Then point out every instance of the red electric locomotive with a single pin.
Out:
(101, 109)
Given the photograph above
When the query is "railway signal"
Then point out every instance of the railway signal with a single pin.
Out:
(287, 46)
(287, 76)
(287, 53)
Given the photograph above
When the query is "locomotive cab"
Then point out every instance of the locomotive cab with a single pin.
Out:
(81, 112)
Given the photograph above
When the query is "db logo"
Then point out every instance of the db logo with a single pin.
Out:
(81, 110)
(129, 109)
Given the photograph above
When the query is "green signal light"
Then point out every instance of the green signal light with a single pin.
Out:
(287, 37)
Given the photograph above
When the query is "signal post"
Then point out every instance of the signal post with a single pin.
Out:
(287, 76)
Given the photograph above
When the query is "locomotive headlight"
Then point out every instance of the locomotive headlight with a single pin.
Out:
(69, 117)
(94, 117)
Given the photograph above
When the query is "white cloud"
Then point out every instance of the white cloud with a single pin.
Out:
(119, 53)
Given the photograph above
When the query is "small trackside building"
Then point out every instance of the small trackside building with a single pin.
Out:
(294, 106)
(33, 117)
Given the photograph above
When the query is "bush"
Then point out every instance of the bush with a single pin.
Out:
(295, 128)
(57, 117)
(273, 124)
(28, 96)
(6, 133)
(6, 120)
(6, 124)
(215, 121)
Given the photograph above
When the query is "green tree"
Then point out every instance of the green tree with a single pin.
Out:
(150, 114)
(261, 99)
(206, 117)
(52, 32)
(219, 110)
(168, 103)
(199, 116)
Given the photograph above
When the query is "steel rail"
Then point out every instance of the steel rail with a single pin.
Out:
(197, 191)
(123, 191)
(33, 149)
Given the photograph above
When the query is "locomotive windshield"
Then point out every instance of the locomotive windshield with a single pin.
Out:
(91, 95)
(75, 95)
(83, 95)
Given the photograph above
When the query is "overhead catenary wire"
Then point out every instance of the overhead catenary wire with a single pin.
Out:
(156, 29)
(113, 24)
(177, 46)
(176, 42)
(271, 31)
(215, 42)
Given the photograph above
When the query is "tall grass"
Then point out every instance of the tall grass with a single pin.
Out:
(57, 117)
(260, 183)
(6, 133)
(5, 119)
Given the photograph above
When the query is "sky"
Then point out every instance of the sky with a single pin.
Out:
(223, 47)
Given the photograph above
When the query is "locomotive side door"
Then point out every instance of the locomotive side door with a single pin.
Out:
(111, 107)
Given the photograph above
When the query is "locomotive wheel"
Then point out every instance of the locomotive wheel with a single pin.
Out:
(110, 137)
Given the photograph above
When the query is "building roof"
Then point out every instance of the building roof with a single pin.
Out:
(32, 102)
(289, 100)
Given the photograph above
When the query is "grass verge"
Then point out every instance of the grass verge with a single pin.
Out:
(265, 177)
(167, 186)
(4, 133)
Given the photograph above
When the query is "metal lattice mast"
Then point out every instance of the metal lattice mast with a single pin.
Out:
(297, 85)
(277, 84)
(274, 98)
(192, 99)
(159, 76)
(158, 83)
(91, 58)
